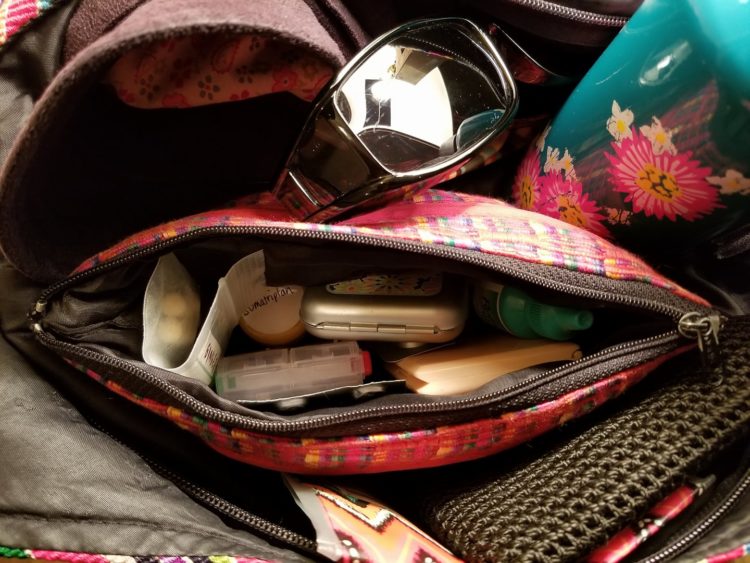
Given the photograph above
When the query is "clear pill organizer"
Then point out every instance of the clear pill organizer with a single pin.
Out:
(287, 372)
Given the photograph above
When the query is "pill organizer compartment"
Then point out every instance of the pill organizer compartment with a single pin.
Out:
(286, 372)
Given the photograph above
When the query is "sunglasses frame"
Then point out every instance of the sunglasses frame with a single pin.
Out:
(310, 201)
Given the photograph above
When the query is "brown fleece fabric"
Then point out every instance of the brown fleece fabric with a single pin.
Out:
(344, 28)
(87, 171)
(91, 20)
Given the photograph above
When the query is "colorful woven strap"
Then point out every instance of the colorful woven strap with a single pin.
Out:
(16, 14)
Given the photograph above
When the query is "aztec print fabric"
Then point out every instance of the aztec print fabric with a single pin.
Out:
(70, 557)
(64, 556)
(15, 14)
(352, 527)
(431, 217)
(391, 451)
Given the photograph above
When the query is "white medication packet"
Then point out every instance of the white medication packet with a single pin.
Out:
(234, 295)
(171, 313)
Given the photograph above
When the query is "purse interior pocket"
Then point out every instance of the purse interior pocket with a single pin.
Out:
(105, 314)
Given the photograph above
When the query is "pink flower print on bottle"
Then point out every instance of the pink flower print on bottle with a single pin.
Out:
(563, 198)
(526, 183)
(660, 185)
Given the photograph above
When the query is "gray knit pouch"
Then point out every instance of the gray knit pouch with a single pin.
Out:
(569, 500)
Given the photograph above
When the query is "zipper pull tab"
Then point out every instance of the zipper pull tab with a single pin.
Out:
(705, 330)
(35, 316)
(40, 308)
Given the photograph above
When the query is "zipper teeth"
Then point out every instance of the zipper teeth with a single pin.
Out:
(441, 251)
(227, 508)
(574, 14)
(254, 424)
(239, 514)
(698, 532)
(430, 249)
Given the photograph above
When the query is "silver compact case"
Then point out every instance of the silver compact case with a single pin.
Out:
(359, 311)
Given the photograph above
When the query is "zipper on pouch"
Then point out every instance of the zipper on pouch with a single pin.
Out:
(704, 329)
(572, 14)
(700, 325)
(355, 414)
(437, 251)
(213, 501)
(238, 514)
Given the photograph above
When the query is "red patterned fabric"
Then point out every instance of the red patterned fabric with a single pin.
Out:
(352, 528)
(625, 542)
(195, 71)
(433, 217)
(739, 554)
(392, 451)
(15, 14)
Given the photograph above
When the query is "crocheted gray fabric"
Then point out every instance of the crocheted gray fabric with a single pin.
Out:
(562, 505)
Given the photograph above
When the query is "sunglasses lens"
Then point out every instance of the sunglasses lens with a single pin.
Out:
(412, 106)
(422, 98)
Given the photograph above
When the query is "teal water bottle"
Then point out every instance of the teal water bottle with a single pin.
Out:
(652, 148)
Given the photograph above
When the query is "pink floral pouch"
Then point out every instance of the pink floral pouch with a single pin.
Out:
(644, 319)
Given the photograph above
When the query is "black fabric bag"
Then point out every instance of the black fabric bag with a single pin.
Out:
(101, 507)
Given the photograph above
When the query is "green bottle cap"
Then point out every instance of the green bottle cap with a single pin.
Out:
(525, 317)
(557, 323)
